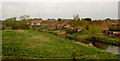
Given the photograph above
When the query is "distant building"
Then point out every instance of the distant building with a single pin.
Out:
(105, 25)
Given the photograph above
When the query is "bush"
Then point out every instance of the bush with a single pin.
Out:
(16, 24)
(94, 39)
(70, 37)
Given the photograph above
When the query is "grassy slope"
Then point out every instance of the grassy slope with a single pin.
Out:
(34, 44)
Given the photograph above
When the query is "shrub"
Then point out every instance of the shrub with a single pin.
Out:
(16, 24)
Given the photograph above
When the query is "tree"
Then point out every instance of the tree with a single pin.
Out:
(24, 17)
(76, 17)
(107, 19)
(10, 22)
(12, 18)
(87, 19)
(95, 30)
(59, 19)
(83, 23)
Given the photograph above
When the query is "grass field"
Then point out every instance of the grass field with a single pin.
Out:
(33, 44)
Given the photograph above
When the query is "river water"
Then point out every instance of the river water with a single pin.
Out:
(113, 49)
(107, 47)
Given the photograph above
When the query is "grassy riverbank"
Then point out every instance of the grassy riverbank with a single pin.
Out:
(34, 44)
(114, 41)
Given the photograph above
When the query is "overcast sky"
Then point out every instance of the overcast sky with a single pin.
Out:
(56, 9)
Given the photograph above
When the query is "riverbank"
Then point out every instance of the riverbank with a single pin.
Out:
(34, 44)
(86, 38)
(113, 41)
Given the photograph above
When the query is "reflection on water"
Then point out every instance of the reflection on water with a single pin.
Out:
(113, 49)
(108, 47)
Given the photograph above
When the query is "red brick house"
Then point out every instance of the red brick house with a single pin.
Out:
(105, 25)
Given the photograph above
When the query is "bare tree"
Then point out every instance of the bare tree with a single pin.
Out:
(24, 17)
(76, 17)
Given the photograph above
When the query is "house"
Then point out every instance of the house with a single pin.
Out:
(114, 33)
(105, 25)
(115, 25)
(39, 23)
(64, 23)
(54, 23)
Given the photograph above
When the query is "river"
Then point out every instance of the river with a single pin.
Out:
(108, 47)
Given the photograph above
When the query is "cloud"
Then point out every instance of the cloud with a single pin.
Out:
(61, 9)
(60, 0)
(0, 11)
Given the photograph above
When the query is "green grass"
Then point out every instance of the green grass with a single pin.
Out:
(114, 40)
(111, 40)
(34, 44)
